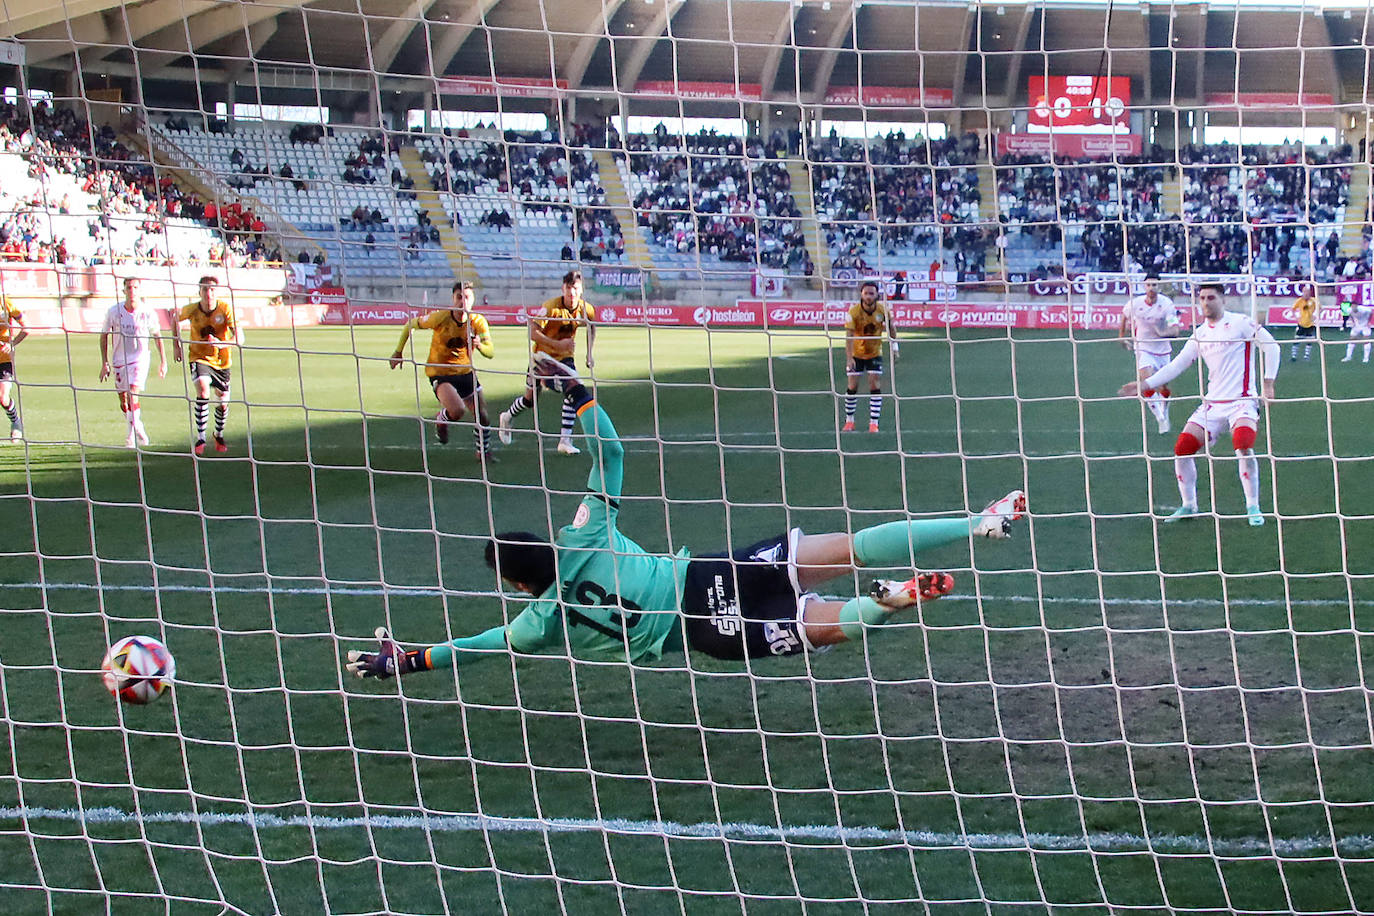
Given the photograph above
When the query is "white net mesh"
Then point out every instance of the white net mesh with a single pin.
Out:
(1109, 713)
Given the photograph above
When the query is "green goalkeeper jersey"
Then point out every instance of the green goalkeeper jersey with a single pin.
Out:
(612, 600)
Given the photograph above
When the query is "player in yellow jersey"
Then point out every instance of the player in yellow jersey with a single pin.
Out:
(457, 331)
(1306, 306)
(553, 333)
(864, 329)
(11, 333)
(213, 331)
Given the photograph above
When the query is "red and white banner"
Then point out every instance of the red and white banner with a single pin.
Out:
(768, 282)
(1269, 100)
(509, 86)
(1079, 104)
(1079, 146)
(890, 96)
(700, 89)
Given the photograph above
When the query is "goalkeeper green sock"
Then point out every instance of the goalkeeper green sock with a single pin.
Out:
(893, 544)
(860, 612)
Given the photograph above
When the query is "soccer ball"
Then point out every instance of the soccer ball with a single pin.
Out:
(137, 669)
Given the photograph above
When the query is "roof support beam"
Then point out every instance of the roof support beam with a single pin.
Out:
(628, 75)
(597, 28)
(843, 26)
(961, 64)
(1018, 60)
(783, 36)
(394, 36)
(455, 34)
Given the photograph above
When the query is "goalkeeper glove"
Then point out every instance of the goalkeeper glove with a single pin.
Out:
(389, 661)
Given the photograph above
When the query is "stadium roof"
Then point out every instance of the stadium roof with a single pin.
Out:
(793, 50)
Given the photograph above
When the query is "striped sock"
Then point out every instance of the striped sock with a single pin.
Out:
(519, 406)
(569, 418)
(481, 437)
(202, 416)
(875, 407)
(12, 411)
(851, 404)
(221, 414)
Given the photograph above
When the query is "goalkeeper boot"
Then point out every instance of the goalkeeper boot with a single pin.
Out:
(1180, 513)
(441, 427)
(997, 518)
(503, 427)
(1254, 516)
(898, 595)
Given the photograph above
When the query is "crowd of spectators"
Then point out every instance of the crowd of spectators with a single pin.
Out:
(1252, 209)
(115, 187)
(530, 173)
(725, 196)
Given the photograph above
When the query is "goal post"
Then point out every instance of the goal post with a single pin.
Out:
(1109, 711)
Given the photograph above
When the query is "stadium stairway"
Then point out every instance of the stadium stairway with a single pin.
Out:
(811, 224)
(989, 214)
(165, 154)
(636, 248)
(459, 262)
(1356, 211)
(1172, 202)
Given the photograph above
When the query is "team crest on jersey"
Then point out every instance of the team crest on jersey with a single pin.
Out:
(584, 515)
(218, 319)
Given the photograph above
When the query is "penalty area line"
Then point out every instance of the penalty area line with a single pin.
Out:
(420, 591)
(463, 823)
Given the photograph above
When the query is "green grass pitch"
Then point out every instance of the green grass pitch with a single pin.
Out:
(1200, 685)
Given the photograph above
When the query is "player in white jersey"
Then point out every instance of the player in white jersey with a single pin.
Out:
(1148, 323)
(1360, 318)
(124, 337)
(1226, 341)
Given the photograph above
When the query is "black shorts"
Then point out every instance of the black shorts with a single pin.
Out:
(746, 605)
(1307, 332)
(867, 365)
(551, 381)
(219, 378)
(465, 384)
(7, 371)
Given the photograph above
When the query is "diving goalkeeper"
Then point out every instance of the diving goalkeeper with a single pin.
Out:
(604, 597)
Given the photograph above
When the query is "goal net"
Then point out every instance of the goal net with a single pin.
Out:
(1109, 712)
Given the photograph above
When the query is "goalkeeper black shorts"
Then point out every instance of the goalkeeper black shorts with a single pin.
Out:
(745, 605)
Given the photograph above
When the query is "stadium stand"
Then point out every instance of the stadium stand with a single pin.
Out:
(72, 196)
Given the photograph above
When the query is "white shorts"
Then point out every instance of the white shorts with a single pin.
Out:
(1359, 332)
(1152, 361)
(1224, 416)
(133, 375)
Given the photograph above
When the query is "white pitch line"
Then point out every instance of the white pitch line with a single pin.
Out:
(429, 592)
(462, 823)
